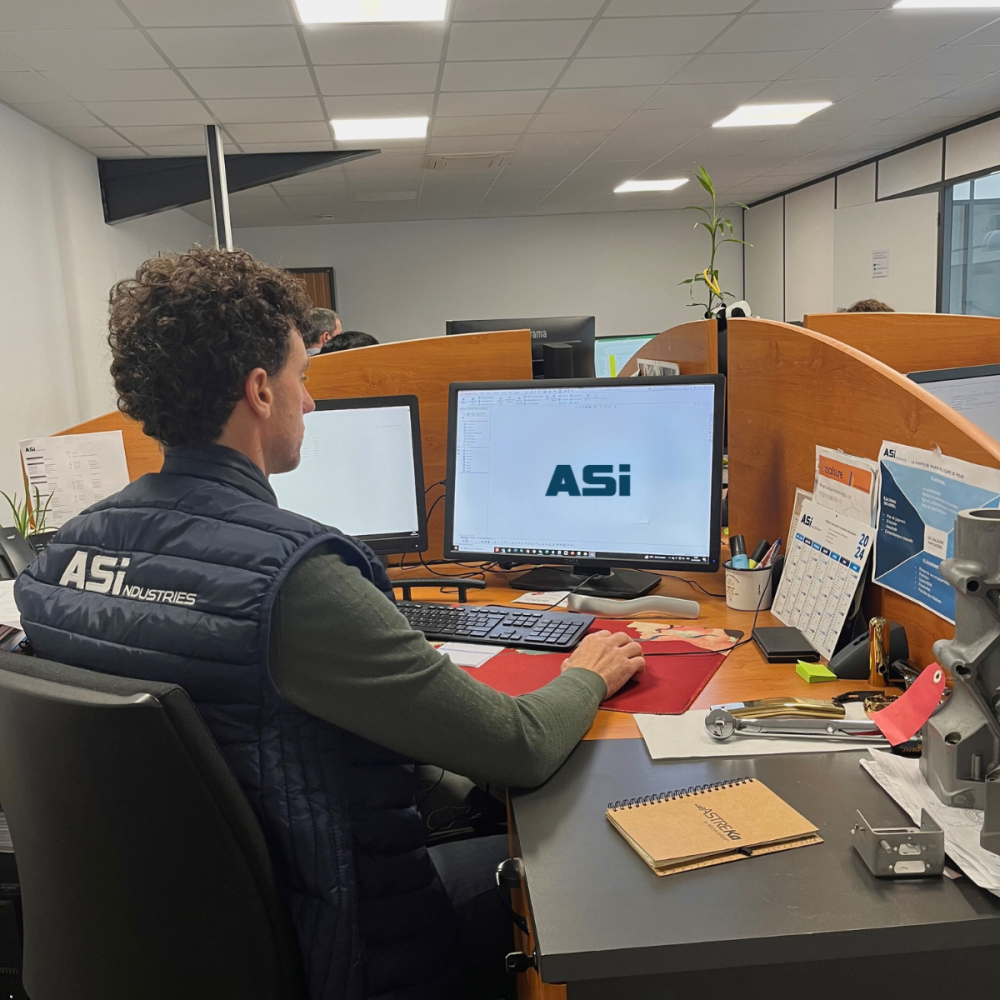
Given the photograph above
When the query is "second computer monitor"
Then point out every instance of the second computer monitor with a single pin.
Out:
(974, 392)
(577, 331)
(589, 475)
(361, 471)
(611, 354)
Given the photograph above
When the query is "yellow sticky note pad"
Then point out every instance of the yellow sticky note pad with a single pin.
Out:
(814, 673)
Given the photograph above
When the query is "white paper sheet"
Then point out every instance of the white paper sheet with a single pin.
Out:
(544, 598)
(683, 737)
(901, 779)
(826, 556)
(846, 484)
(9, 615)
(468, 654)
(77, 469)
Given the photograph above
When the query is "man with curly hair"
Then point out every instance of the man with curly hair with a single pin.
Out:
(284, 633)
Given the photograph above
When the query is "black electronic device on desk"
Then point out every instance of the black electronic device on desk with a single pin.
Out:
(576, 331)
(497, 625)
(361, 471)
(595, 481)
(15, 553)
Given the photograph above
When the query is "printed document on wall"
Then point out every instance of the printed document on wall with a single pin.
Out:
(920, 496)
(825, 561)
(846, 484)
(77, 469)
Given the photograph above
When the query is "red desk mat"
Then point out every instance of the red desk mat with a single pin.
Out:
(668, 687)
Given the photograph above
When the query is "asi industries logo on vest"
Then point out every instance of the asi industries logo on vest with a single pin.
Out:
(599, 481)
(107, 576)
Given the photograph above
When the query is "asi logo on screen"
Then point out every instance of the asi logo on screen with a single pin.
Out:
(599, 481)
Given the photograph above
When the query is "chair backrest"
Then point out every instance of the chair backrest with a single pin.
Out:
(144, 873)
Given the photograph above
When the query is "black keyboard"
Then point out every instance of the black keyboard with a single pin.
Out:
(549, 630)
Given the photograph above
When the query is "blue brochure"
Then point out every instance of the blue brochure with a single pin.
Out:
(921, 494)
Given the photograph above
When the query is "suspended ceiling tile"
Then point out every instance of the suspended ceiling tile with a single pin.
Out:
(598, 99)
(246, 82)
(29, 88)
(268, 109)
(653, 36)
(522, 74)
(777, 32)
(480, 125)
(401, 78)
(346, 44)
(60, 113)
(509, 102)
(160, 14)
(276, 132)
(517, 10)
(381, 106)
(473, 144)
(234, 46)
(686, 95)
(151, 112)
(515, 39)
(82, 48)
(24, 15)
(164, 135)
(652, 8)
(740, 67)
(114, 84)
(88, 136)
(622, 72)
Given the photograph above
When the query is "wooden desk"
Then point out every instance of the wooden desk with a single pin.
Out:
(744, 674)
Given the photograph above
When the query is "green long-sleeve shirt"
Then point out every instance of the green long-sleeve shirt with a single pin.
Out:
(341, 651)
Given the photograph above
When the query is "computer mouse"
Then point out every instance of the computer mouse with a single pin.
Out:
(668, 607)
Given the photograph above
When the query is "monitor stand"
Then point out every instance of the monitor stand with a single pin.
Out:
(620, 583)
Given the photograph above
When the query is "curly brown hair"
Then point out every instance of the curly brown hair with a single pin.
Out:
(189, 328)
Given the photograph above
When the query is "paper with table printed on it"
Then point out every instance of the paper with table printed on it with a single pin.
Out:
(76, 469)
(901, 779)
(825, 560)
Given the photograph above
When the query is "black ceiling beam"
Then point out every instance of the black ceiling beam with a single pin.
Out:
(135, 187)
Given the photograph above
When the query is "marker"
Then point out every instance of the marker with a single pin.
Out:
(760, 551)
(738, 552)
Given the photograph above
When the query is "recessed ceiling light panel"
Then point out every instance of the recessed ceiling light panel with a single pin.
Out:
(771, 114)
(379, 128)
(944, 4)
(670, 184)
(355, 11)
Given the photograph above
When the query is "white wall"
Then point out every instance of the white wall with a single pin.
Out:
(809, 251)
(907, 228)
(403, 280)
(764, 228)
(58, 260)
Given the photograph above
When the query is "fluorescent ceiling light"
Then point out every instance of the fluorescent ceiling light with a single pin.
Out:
(944, 4)
(345, 11)
(666, 185)
(771, 114)
(380, 128)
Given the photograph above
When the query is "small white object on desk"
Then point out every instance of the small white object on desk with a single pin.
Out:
(468, 654)
(544, 598)
(683, 737)
(9, 615)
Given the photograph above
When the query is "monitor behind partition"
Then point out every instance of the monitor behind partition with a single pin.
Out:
(612, 354)
(974, 392)
(576, 330)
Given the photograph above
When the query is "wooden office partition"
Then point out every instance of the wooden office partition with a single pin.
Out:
(693, 346)
(423, 368)
(791, 389)
(914, 342)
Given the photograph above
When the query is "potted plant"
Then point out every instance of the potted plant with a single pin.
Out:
(30, 518)
(717, 226)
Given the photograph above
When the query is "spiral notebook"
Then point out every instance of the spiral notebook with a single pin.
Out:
(709, 825)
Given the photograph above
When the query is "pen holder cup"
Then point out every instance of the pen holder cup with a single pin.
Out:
(749, 589)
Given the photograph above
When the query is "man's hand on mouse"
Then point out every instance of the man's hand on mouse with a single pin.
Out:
(614, 656)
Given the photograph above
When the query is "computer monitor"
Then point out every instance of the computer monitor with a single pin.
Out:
(361, 472)
(575, 330)
(591, 475)
(611, 354)
(974, 392)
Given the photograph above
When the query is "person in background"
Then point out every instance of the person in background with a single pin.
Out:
(348, 340)
(868, 306)
(286, 636)
(324, 325)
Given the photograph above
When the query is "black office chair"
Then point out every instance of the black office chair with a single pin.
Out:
(144, 873)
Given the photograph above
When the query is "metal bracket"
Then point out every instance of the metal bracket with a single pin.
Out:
(517, 962)
(902, 851)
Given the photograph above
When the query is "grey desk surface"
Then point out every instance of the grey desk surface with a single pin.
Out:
(600, 912)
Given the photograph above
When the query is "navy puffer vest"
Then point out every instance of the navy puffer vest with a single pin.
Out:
(174, 579)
